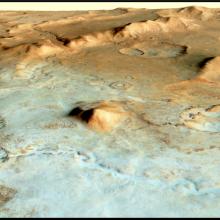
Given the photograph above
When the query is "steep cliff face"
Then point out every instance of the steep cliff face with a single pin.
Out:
(110, 113)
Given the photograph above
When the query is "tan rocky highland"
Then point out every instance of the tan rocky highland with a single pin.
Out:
(110, 113)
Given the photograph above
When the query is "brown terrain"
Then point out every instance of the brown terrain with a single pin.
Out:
(110, 113)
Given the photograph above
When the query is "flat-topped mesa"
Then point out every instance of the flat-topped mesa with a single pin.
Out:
(103, 116)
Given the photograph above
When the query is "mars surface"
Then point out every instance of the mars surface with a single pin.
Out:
(110, 113)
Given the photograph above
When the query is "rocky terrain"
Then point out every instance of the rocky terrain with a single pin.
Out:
(110, 113)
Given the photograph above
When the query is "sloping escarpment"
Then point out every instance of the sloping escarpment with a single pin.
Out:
(210, 71)
(191, 12)
(39, 41)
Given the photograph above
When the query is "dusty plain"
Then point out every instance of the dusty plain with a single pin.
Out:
(110, 113)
